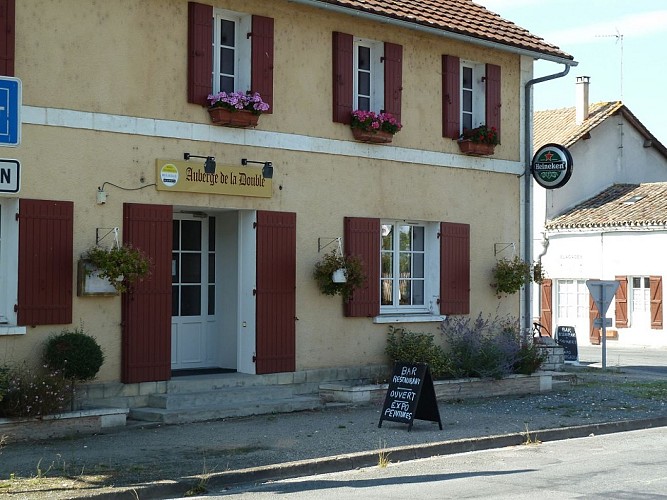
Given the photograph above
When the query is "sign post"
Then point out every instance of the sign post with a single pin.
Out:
(10, 111)
(603, 292)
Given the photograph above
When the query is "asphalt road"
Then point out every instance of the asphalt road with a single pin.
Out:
(622, 466)
(649, 360)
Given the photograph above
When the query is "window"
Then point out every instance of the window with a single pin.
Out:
(473, 109)
(228, 51)
(367, 75)
(231, 52)
(412, 267)
(640, 300)
(471, 95)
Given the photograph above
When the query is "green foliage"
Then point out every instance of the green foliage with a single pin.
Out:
(30, 392)
(75, 354)
(331, 262)
(410, 347)
(488, 347)
(528, 359)
(510, 275)
(121, 265)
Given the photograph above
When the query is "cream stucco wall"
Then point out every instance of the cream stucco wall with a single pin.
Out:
(121, 59)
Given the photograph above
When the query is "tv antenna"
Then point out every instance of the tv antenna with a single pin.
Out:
(619, 40)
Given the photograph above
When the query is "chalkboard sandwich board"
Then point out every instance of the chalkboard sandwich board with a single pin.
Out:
(410, 395)
(566, 337)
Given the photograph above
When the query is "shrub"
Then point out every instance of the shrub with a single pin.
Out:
(74, 353)
(34, 392)
(331, 262)
(510, 275)
(487, 347)
(410, 347)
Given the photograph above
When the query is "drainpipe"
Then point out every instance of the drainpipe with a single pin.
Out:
(528, 187)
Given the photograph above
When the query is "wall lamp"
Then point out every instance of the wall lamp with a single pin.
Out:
(267, 169)
(209, 164)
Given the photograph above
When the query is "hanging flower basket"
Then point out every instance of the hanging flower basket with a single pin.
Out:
(378, 136)
(240, 119)
(476, 148)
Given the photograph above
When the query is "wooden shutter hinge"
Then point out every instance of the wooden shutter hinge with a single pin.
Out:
(16, 308)
(254, 292)
(254, 225)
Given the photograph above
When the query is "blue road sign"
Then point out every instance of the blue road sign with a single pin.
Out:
(10, 111)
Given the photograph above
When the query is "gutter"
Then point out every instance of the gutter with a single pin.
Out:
(434, 31)
(528, 185)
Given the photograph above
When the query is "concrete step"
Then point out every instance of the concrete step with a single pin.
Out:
(221, 396)
(231, 408)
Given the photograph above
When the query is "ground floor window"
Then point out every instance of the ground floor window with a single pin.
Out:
(640, 301)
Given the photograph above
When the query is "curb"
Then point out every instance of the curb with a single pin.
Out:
(340, 463)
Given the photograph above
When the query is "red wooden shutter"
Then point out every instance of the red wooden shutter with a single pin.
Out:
(362, 238)
(621, 300)
(493, 101)
(7, 37)
(146, 308)
(276, 292)
(45, 262)
(454, 268)
(200, 52)
(595, 334)
(546, 308)
(451, 97)
(343, 91)
(262, 59)
(656, 302)
(393, 79)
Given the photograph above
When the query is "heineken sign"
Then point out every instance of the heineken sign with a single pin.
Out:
(552, 166)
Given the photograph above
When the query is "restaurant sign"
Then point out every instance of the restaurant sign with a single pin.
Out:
(552, 166)
(189, 177)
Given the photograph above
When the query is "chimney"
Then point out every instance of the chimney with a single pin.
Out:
(583, 83)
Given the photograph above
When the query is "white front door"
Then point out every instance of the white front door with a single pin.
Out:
(193, 325)
(640, 300)
(572, 304)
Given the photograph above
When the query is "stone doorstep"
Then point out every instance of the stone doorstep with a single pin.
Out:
(63, 424)
(342, 392)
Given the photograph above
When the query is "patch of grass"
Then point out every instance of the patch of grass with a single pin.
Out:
(383, 457)
(201, 487)
(653, 390)
(531, 439)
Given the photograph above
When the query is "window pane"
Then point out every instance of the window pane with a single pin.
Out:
(405, 263)
(191, 300)
(364, 104)
(174, 268)
(191, 235)
(404, 290)
(364, 84)
(387, 265)
(176, 237)
(227, 61)
(418, 265)
(406, 238)
(364, 58)
(386, 293)
(418, 292)
(636, 282)
(211, 268)
(226, 84)
(191, 268)
(211, 234)
(174, 301)
(227, 36)
(467, 102)
(467, 77)
(387, 237)
(647, 283)
(418, 238)
(466, 121)
(211, 300)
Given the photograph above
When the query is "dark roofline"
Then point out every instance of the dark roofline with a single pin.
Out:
(641, 128)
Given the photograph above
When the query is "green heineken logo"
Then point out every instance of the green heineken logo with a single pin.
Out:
(552, 166)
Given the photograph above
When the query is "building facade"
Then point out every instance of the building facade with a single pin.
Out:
(114, 96)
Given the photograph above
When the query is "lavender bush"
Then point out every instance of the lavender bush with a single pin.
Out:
(30, 392)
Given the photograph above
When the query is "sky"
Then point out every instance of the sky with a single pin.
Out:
(619, 44)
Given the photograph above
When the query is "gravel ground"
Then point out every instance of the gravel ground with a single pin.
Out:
(89, 465)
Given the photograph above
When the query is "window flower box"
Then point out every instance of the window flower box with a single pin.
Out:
(368, 126)
(468, 147)
(479, 141)
(236, 109)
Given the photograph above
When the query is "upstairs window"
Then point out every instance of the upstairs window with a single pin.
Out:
(367, 75)
(471, 96)
(228, 51)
